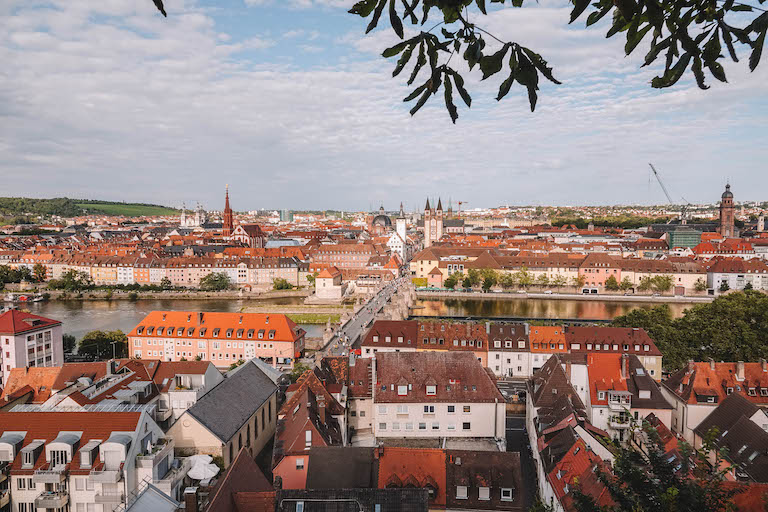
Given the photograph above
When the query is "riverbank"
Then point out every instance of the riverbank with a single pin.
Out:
(133, 295)
(597, 297)
(303, 313)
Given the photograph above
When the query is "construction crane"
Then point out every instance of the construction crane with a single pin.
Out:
(461, 203)
(683, 208)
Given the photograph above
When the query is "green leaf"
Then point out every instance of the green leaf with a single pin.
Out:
(470, 54)
(712, 49)
(404, 58)
(628, 8)
(505, 85)
(579, 6)
(394, 50)
(481, 6)
(673, 74)
(634, 39)
(491, 64)
(540, 64)
(459, 81)
(598, 15)
(729, 42)
(376, 16)
(517, 3)
(717, 71)
(698, 73)
(416, 91)
(363, 8)
(397, 23)
(757, 50)
(432, 54)
(449, 99)
(742, 7)
(421, 101)
(655, 50)
(420, 61)
(409, 11)
(527, 76)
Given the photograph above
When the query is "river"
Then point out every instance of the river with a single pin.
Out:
(533, 308)
(79, 317)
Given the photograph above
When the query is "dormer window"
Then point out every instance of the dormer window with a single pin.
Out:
(190, 331)
(150, 330)
(375, 338)
(240, 333)
(180, 331)
(752, 392)
(216, 332)
(202, 331)
(229, 333)
(261, 334)
(431, 390)
(272, 334)
(402, 390)
(160, 331)
(728, 391)
(646, 348)
(250, 333)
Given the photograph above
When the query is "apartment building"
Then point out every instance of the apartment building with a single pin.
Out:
(737, 274)
(222, 338)
(390, 336)
(509, 350)
(471, 337)
(436, 395)
(85, 460)
(696, 390)
(28, 340)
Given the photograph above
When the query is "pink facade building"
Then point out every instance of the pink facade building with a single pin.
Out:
(28, 340)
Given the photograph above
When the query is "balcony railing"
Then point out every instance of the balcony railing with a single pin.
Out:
(615, 405)
(109, 497)
(157, 453)
(50, 474)
(52, 499)
(5, 497)
(619, 422)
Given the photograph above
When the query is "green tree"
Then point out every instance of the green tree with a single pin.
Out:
(239, 362)
(475, 277)
(542, 280)
(281, 284)
(733, 327)
(688, 35)
(612, 284)
(466, 282)
(748, 286)
(165, 284)
(507, 280)
(72, 281)
(700, 285)
(724, 286)
(646, 283)
(663, 283)
(215, 281)
(641, 482)
(311, 278)
(298, 371)
(488, 284)
(626, 284)
(524, 278)
(559, 281)
(68, 341)
(39, 273)
(452, 280)
(578, 281)
(99, 344)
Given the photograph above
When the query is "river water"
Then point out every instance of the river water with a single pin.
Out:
(533, 308)
(79, 317)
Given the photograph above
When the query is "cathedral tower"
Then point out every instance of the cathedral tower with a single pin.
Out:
(227, 221)
(727, 224)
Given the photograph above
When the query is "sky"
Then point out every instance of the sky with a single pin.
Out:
(291, 104)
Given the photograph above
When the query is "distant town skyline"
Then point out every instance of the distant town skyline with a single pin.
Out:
(112, 101)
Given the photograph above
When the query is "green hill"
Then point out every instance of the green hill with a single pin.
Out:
(66, 207)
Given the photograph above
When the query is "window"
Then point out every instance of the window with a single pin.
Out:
(422, 426)
(299, 506)
(466, 426)
(429, 409)
(461, 492)
(382, 409)
(435, 426)
(300, 463)
(484, 493)
(506, 495)
(601, 395)
(402, 390)
(402, 409)
(431, 390)
(307, 437)
(382, 426)
(395, 425)
(362, 414)
(467, 409)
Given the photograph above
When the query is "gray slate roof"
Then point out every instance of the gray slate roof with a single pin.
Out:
(226, 408)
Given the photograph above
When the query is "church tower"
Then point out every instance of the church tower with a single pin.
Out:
(227, 222)
(761, 222)
(433, 223)
(183, 220)
(400, 224)
(727, 224)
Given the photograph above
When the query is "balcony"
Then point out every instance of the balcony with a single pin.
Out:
(159, 451)
(49, 474)
(619, 404)
(619, 423)
(109, 497)
(5, 469)
(104, 476)
(5, 497)
(162, 413)
(52, 499)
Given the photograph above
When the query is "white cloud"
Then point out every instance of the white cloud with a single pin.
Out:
(139, 107)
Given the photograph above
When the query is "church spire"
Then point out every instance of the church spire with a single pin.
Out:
(427, 207)
(227, 221)
(439, 205)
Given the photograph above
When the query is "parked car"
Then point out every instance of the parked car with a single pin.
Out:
(548, 292)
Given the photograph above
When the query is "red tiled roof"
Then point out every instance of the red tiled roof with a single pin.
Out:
(285, 329)
(399, 465)
(16, 322)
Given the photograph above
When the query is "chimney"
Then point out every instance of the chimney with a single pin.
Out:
(740, 370)
(190, 499)
(764, 365)
(266, 320)
(487, 327)
(568, 370)
(624, 366)
(711, 364)
(527, 328)
(200, 318)
(321, 409)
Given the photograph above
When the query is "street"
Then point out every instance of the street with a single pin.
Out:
(350, 335)
(517, 441)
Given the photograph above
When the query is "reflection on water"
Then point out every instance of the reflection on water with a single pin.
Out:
(533, 308)
(79, 317)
